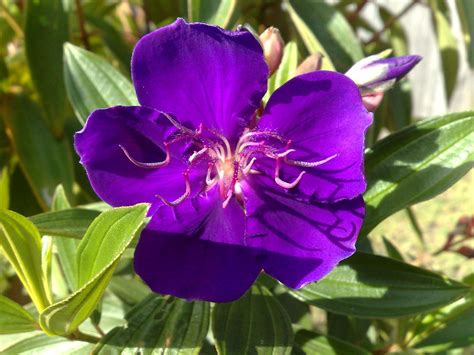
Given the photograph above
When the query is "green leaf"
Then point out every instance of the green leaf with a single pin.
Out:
(216, 12)
(45, 160)
(416, 164)
(93, 83)
(371, 286)
(4, 188)
(46, 30)
(458, 333)
(160, 325)
(448, 46)
(72, 223)
(42, 344)
(331, 30)
(131, 291)
(13, 318)
(392, 250)
(286, 70)
(466, 14)
(65, 247)
(256, 323)
(314, 343)
(114, 40)
(21, 243)
(97, 257)
(309, 39)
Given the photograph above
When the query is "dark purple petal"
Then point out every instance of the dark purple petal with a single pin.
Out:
(397, 67)
(196, 251)
(299, 242)
(141, 131)
(323, 115)
(201, 74)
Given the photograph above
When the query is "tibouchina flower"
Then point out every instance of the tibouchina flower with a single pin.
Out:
(376, 74)
(230, 197)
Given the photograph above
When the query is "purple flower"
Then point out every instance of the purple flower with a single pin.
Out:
(378, 74)
(231, 195)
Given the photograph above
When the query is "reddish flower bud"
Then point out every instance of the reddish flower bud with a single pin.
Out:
(273, 45)
(466, 251)
(312, 63)
(372, 101)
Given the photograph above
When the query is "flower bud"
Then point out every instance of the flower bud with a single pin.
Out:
(273, 45)
(372, 101)
(378, 74)
(312, 63)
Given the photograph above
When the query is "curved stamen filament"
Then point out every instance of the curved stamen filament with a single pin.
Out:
(223, 139)
(180, 199)
(250, 144)
(246, 169)
(308, 164)
(154, 165)
(198, 154)
(285, 184)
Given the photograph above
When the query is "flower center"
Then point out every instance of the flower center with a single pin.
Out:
(227, 167)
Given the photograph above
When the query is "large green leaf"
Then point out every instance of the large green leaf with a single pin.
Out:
(160, 325)
(72, 223)
(129, 290)
(314, 343)
(42, 344)
(216, 12)
(65, 247)
(14, 319)
(21, 244)
(457, 333)
(45, 160)
(371, 286)
(331, 30)
(416, 164)
(93, 83)
(255, 324)
(309, 39)
(46, 30)
(97, 257)
(448, 46)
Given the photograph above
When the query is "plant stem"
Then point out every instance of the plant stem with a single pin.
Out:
(84, 337)
(82, 27)
(351, 17)
(10, 20)
(391, 21)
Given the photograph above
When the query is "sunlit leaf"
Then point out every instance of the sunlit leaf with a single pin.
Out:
(93, 83)
(209, 11)
(314, 343)
(97, 257)
(417, 164)
(160, 325)
(331, 30)
(371, 286)
(21, 244)
(14, 318)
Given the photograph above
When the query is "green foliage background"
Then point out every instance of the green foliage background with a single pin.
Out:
(61, 292)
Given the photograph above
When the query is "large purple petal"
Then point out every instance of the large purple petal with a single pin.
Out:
(323, 115)
(196, 251)
(299, 242)
(201, 74)
(141, 131)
